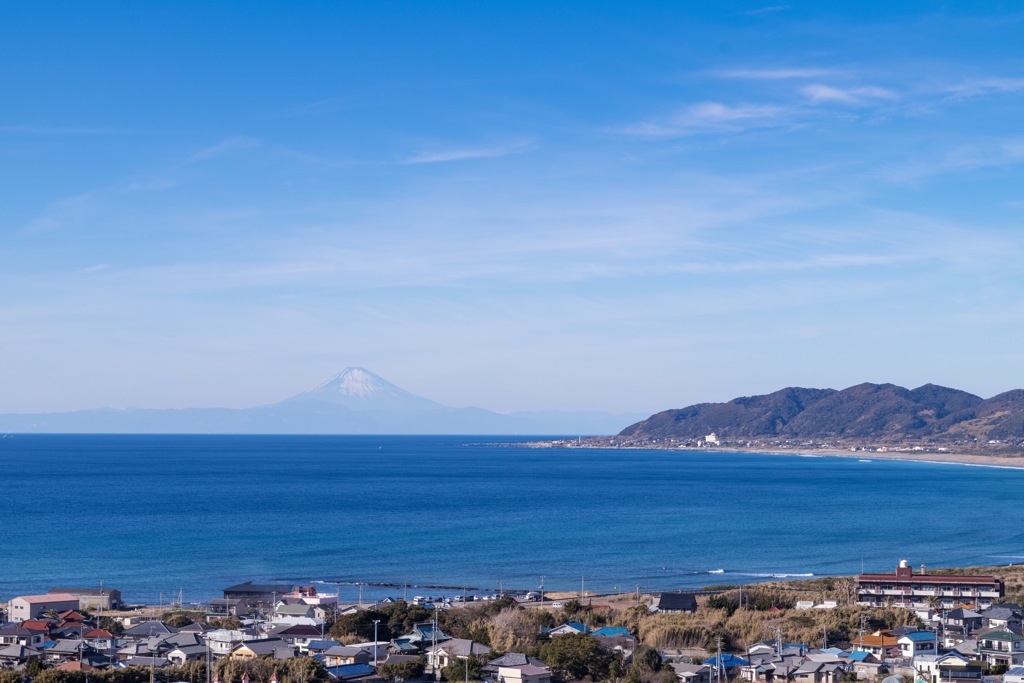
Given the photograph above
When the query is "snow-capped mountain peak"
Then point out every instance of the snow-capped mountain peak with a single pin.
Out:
(359, 389)
(355, 382)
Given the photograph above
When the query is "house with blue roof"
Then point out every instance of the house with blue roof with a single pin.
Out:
(349, 672)
(951, 667)
(568, 628)
(918, 643)
(1014, 675)
(729, 662)
(612, 632)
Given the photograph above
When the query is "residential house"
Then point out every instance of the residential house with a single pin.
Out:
(65, 649)
(811, 671)
(958, 624)
(223, 641)
(34, 606)
(865, 665)
(294, 610)
(254, 649)
(188, 653)
(154, 662)
(621, 644)
(612, 631)
(100, 638)
(510, 659)
(342, 655)
(419, 639)
(1014, 675)
(907, 589)
(297, 635)
(918, 643)
(527, 673)
(227, 607)
(878, 643)
(13, 634)
(198, 628)
(455, 648)
(675, 602)
(257, 595)
(692, 673)
(951, 667)
(729, 663)
(318, 647)
(149, 629)
(568, 628)
(351, 672)
(12, 656)
(1001, 646)
(377, 649)
(1005, 615)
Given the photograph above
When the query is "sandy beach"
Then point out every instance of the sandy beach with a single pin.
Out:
(919, 456)
(952, 458)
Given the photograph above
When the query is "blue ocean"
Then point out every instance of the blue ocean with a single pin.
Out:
(155, 515)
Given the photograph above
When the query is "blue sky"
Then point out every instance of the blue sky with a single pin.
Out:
(610, 206)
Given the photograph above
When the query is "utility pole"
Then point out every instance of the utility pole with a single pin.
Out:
(718, 666)
(433, 639)
(375, 622)
(583, 591)
(542, 591)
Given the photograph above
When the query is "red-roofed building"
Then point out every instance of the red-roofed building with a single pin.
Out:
(34, 606)
(37, 625)
(904, 588)
(71, 616)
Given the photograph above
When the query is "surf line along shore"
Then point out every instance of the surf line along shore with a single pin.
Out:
(933, 457)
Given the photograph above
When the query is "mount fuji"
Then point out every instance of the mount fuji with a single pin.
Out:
(354, 401)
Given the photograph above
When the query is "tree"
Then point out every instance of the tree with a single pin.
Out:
(229, 623)
(646, 658)
(112, 625)
(456, 671)
(192, 671)
(404, 671)
(360, 624)
(129, 674)
(575, 656)
(176, 619)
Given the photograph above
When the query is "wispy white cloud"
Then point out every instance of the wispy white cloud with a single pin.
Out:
(772, 9)
(819, 92)
(224, 147)
(776, 74)
(713, 117)
(982, 154)
(984, 86)
(466, 153)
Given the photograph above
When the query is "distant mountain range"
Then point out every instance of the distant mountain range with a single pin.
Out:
(355, 401)
(882, 412)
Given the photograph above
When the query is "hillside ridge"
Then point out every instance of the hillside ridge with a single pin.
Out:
(885, 413)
